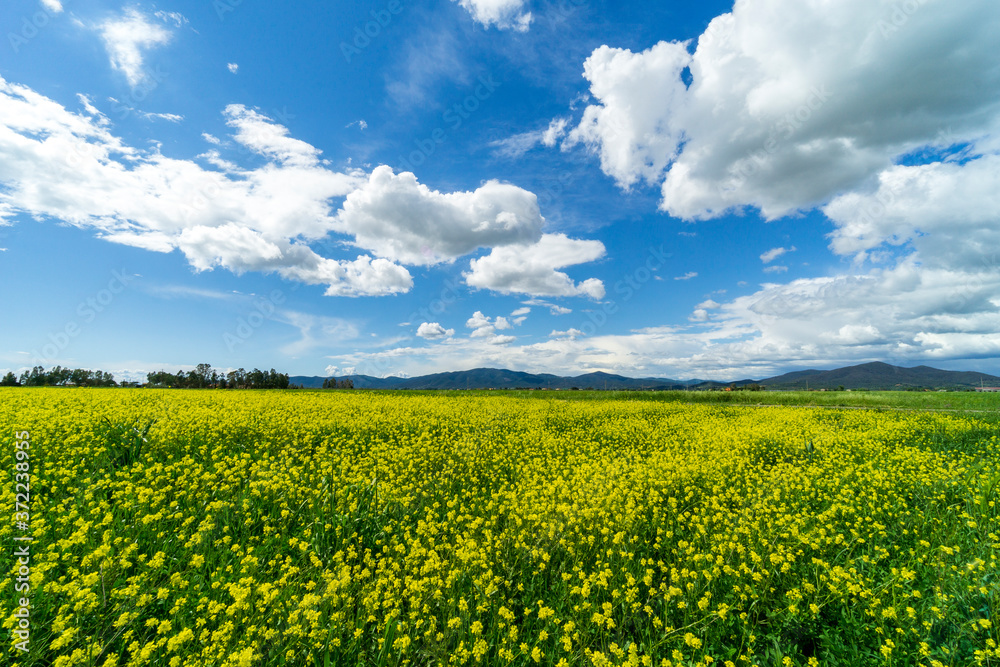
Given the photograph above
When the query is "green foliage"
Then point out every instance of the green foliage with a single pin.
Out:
(123, 442)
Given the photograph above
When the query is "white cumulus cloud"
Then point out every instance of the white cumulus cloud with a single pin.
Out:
(434, 331)
(127, 37)
(792, 102)
(486, 328)
(504, 14)
(398, 218)
(69, 166)
(633, 129)
(532, 269)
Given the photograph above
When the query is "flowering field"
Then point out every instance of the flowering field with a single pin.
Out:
(341, 528)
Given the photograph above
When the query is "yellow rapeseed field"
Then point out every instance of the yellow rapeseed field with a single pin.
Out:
(341, 528)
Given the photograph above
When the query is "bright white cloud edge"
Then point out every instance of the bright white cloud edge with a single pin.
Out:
(504, 14)
(70, 167)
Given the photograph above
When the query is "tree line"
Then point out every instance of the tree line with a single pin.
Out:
(205, 377)
(59, 376)
(202, 377)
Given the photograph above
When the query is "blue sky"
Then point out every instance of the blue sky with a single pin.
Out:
(675, 190)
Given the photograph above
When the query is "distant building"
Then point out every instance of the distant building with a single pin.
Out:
(993, 390)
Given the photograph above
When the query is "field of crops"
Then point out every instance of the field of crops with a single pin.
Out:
(341, 528)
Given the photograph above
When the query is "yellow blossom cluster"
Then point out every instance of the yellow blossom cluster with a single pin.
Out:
(203, 529)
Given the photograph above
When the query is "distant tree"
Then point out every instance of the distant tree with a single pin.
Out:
(236, 379)
(59, 376)
(36, 378)
(201, 376)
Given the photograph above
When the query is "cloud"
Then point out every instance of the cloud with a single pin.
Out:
(554, 309)
(233, 67)
(504, 14)
(434, 331)
(122, 107)
(184, 291)
(572, 334)
(169, 117)
(176, 18)
(687, 276)
(519, 144)
(887, 120)
(775, 253)
(399, 219)
(54, 6)
(486, 329)
(906, 315)
(69, 167)
(792, 103)
(532, 269)
(632, 129)
(262, 135)
(126, 38)
(429, 57)
(946, 212)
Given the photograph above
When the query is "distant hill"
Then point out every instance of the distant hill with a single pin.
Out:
(492, 378)
(878, 375)
(873, 376)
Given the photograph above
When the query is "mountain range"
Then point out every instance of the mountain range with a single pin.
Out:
(872, 376)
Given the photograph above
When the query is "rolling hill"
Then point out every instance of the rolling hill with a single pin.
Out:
(879, 375)
(871, 376)
(491, 378)
(874, 375)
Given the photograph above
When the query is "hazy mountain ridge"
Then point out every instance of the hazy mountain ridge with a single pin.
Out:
(875, 375)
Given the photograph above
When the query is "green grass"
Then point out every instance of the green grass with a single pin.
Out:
(901, 400)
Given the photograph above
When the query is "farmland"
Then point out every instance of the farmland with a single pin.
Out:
(339, 528)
